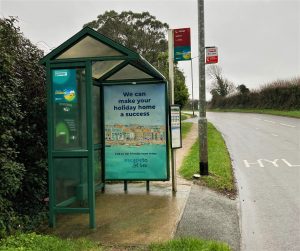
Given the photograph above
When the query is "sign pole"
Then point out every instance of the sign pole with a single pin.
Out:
(202, 122)
(171, 94)
(193, 105)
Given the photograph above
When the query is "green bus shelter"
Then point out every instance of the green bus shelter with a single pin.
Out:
(104, 104)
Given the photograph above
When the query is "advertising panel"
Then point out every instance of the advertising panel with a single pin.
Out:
(135, 132)
(182, 44)
(176, 141)
(67, 110)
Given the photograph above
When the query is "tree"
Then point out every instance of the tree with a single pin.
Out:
(143, 33)
(181, 92)
(220, 86)
(140, 32)
(243, 89)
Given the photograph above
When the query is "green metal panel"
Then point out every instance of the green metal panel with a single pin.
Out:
(66, 210)
(52, 218)
(70, 153)
(90, 143)
(130, 81)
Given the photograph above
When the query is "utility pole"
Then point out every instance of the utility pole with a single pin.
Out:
(202, 122)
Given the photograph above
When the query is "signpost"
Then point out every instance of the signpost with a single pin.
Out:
(176, 139)
(211, 55)
(182, 44)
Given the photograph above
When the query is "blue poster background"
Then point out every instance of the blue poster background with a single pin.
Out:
(135, 132)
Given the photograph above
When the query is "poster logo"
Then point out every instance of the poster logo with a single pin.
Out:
(69, 95)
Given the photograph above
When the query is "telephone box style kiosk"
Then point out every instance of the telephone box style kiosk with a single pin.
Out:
(107, 120)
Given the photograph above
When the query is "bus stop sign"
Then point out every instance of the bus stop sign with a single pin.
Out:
(211, 55)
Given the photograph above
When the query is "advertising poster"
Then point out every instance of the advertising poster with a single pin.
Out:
(135, 132)
(175, 126)
(65, 95)
(65, 86)
(182, 44)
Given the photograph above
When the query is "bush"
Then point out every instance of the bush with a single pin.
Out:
(23, 169)
(280, 95)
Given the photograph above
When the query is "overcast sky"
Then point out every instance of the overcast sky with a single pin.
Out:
(258, 40)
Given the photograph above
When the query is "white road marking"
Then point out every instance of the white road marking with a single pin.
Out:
(257, 119)
(247, 164)
(275, 135)
(289, 164)
(273, 162)
(269, 121)
(287, 125)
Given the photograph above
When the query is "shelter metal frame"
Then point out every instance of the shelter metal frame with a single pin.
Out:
(56, 59)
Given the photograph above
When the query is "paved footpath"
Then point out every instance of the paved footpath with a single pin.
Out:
(210, 215)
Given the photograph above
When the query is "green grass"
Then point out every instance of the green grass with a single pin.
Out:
(186, 128)
(185, 116)
(37, 242)
(220, 170)
(293, 114)
(190, 244)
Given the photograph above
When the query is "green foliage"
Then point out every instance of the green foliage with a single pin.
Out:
(140, 32)
(181, 92)
(36, 242)
(220, 170)
(280, 95)
(23, 170)
(186, 128)
(190, 244)
(242, 89)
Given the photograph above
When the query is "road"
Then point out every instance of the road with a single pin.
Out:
(265, 151)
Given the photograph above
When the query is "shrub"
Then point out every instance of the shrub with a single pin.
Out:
(23, 169)
(280, 95)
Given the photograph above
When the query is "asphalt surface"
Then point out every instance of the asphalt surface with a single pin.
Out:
(265, 151)
(209, 215)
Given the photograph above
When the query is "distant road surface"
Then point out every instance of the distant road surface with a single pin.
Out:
(265, 151)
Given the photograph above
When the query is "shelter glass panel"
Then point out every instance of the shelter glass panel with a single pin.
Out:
(99, 68)
(97, 115)
(89, 47)
(97, 166)
(71, 181)
(69, 99)
(129, 72)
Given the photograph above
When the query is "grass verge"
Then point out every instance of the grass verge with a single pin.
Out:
(37, 242)
(190, 244)
(220, 176)
(292, 114)
(186, 128)
(185, 116)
